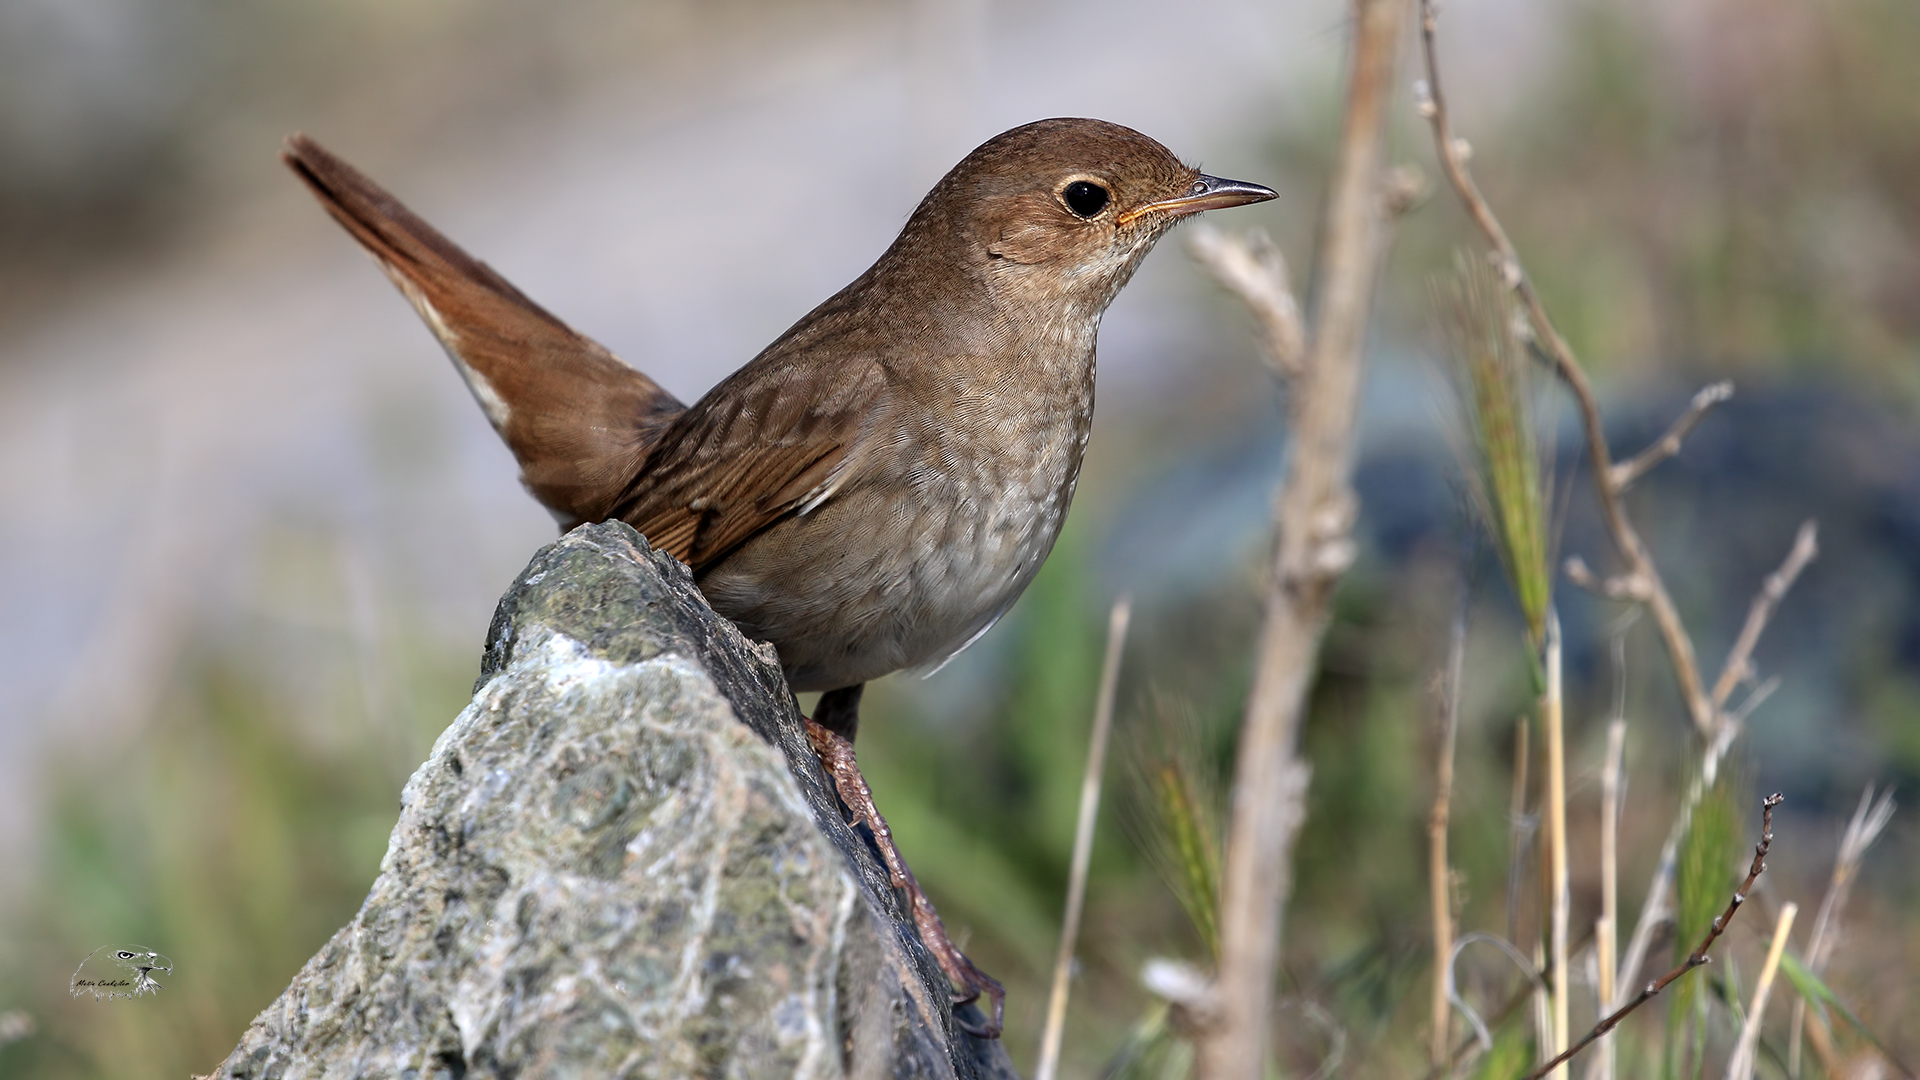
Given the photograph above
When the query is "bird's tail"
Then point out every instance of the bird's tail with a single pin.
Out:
(579, 421)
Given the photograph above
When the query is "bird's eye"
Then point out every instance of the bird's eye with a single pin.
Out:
(1085, 198)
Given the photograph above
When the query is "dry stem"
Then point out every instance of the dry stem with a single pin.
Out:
(1552, 714)
(1607, 930)
(1641, 581)
(1083, 839)
(1655, 908)
(1313, 518)
(1739, 663)
(1439, 871)
(1626, 472)
(1694, 959)
(1740, 1066)
(1869, 819)
(1640, 569)
(1253, 269)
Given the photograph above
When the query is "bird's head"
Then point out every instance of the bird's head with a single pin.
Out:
(1061, 211)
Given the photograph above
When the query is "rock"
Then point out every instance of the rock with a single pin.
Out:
(621, 860)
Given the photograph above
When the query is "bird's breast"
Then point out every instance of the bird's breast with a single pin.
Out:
(926, 550)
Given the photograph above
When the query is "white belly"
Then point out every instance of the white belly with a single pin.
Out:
(902, 570)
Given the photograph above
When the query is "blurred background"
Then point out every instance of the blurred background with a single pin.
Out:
(252, 527)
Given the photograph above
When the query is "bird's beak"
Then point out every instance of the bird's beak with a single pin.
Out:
(1206, 193)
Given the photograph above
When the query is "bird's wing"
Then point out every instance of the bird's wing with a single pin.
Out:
(751, 452)
(579, 421)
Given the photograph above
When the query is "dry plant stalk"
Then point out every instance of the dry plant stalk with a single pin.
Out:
(1657, 904)
(1256, 271)
(1641, 582)
(1694, 959)
(1552, 715)
(1510, 491)
(1083, 839)
(1626, 472)
(1439, 869)
(1606, 930)
(1740, 1066)
(1870, 818)
(1313, 519)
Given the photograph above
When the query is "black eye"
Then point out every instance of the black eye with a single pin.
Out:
(1085, 198)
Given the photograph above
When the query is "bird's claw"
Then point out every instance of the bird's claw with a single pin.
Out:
(836, 755)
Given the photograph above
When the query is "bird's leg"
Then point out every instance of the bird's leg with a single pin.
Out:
(839, 712)
(831, 737)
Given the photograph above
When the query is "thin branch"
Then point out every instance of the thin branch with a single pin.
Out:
(1869, 820)
(1642, 580)
(1739, 661)
(1552, 715)
(1607, 930)
(1083, 839)
(1252, 268)
(1740, 1066)
(1655, 909)
(1756, 698)
(1696, 958)
(1731, 723)
(1313, 518)
(1439, 870)
(1624, 473)
(1453, 152)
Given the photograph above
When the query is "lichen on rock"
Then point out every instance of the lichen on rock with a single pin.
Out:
(620, 860)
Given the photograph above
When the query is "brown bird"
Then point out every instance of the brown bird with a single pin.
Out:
(878, 486)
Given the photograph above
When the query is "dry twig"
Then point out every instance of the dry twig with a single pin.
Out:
(1607, 930)
(1560, 900)
(1869, 820)
(1694, 959)
(1655, 909)
(1439, 870)
(1739, 665)
(1740, 1066)
(1083, 839)
(1626, 472)
(1253, 269)
(1452, 152)
(1313, 518)
(1641, 580)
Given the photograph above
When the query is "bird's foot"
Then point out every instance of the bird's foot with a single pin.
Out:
(836, 754)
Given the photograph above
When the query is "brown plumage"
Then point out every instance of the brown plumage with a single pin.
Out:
(874, 489)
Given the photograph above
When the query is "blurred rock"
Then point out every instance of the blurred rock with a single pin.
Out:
(621, 860)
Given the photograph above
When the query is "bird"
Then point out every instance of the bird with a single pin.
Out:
(875, 489)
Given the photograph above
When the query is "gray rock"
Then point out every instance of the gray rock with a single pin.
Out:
(621, 860)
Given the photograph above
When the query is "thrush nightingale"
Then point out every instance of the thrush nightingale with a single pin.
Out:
(875, 489)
